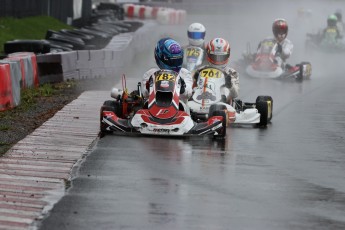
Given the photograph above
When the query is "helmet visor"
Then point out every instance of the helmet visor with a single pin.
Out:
(173, 61)
(218, 58)
(196, 35)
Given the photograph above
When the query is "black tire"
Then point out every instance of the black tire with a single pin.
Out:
(269, 101)
(223, 114)
(215, 107)
(102, 127)
(115, 106)
(262, 108)
(299, 77)
(112, 106)
(35, 46)
(305, 63)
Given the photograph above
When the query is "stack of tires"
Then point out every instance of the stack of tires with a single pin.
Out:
(106, 22)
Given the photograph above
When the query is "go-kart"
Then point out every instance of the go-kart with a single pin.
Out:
(210, 95)
(162, 114)
(317, 42)
(193, 57)
(263, 64)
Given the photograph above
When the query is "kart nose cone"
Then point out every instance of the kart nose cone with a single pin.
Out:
(143, 125)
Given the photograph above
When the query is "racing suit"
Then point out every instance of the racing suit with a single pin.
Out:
(283, 52)
(184, 74)
(232, 82)
(202, 46)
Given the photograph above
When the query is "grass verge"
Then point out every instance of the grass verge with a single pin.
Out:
(27, 28)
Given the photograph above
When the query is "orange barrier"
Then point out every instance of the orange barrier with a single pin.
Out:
(32, 70)
(23, 68)
(6, 96)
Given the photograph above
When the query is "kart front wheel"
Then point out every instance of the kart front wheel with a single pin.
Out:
(107, 106)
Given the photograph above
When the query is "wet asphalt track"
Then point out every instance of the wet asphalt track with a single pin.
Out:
(287, 176)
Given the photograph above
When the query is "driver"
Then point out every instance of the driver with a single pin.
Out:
(169, 55)
(331, 33)
(285, 47)
(218, 55)
(196, 38)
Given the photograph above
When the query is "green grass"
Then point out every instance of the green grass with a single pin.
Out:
(27, 28)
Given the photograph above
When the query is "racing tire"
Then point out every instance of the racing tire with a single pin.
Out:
(35, 46)
(269, 101)
(115, 106)
(299, 77)
(309, 71)
(215, 107)
(223, 114)
(262, 107)
(111, 106)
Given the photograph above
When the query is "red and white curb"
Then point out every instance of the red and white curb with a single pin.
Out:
(34, 172)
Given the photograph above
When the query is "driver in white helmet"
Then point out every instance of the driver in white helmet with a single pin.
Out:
(218, 55)
(196, 38)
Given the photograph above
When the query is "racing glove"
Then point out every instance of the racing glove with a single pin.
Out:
(183, 86)
(228, 83)
(149, 83)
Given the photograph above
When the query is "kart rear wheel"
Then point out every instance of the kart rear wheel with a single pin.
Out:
(308, 70)
(262, 107)
(223, 114)
(269, 101)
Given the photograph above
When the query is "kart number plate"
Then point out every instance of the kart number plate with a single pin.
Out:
(211, 73)
(193, 52)
(165, 76)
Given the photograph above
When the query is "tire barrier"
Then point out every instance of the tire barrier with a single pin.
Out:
(89, 64)
(6, 96)
(163, 15)
(35, 46)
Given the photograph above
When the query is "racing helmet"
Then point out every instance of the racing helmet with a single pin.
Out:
(339, 15)
(168, 54)
(280, 29)
(196, 34)
(218, 52)
(332, 20)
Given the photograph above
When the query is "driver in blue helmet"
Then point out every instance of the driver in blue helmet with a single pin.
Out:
(169, 56)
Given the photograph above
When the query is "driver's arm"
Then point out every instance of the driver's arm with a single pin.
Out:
(232, 82)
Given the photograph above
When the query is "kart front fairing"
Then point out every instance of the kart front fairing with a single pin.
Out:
(264, 65)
